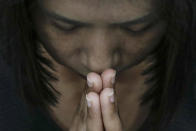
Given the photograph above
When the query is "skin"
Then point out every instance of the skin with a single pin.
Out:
(97, 51)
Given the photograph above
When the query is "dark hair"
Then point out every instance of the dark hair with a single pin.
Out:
(171, 72)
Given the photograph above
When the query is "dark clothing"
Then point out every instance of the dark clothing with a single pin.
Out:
(14, 115)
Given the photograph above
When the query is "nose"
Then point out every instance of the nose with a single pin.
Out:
(99, 60)
(101, 52)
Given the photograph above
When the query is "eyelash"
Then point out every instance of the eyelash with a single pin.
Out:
(142, 30)
(67, 30)
(71, 29)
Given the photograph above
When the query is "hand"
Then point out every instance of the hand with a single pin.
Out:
(108, 102)
(98, 108)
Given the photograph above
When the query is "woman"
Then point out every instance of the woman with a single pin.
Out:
(101, 65)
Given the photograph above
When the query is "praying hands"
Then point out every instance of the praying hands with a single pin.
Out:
(98, 108)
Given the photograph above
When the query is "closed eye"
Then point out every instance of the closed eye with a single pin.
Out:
(65, 27)
(139, 28)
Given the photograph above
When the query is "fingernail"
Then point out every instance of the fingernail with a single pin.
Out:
(111, 96)
(89, 82)
(113, 78)
(88, 101)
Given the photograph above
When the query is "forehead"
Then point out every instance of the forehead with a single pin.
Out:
(99, 10)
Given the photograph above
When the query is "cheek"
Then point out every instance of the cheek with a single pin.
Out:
(59, 48)
(144, 43)
(135, 45)
(59, 45)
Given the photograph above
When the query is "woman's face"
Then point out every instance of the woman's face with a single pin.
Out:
(93, 35)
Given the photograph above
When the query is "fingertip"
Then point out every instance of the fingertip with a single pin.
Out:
(108, 71)
(105, 95)
(94, 82)
(108, 77)
(92, 99)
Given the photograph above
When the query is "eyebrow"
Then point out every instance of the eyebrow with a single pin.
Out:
(53, 15)
(149, 17)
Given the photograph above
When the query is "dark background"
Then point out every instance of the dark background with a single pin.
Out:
(14, 115)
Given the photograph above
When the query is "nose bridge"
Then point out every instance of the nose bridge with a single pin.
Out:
(100, 51)
(100, 44)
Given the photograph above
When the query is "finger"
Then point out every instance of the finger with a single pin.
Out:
(108, 78)
(81, 115)
(109, 110)
(94, 82)
(94, 120)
